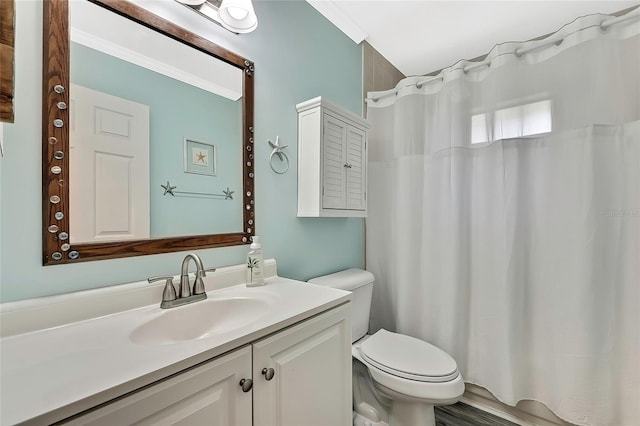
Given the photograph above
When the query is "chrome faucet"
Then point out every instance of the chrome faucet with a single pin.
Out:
(186, 294)
(198, 285)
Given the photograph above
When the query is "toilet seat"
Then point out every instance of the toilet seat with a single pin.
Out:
(408, 358)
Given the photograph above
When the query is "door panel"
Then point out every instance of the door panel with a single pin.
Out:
(356, 160)
(312, 380)
(109, 167)
(205, 395)
(333, 170)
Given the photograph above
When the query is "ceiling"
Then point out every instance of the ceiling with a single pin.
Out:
(422, 36)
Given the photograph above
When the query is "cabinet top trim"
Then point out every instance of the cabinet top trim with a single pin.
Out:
(335, 108)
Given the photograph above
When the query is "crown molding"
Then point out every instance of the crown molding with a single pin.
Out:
(330, 10)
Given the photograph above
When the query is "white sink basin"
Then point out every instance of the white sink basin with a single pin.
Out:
(201, 319)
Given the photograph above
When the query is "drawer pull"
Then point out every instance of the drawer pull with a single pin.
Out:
(268, 373)
(246, 385)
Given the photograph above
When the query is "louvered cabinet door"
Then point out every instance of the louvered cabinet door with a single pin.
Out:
(333, 167)
(356, 169)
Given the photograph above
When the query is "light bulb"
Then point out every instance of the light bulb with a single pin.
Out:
(192, 2)
(237, 13)
(238, 16)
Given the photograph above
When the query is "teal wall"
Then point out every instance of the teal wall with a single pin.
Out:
(176, 111)
(298, 55)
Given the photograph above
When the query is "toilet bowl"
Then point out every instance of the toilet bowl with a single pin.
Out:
(406, 377)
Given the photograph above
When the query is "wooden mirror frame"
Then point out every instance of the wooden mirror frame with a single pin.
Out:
(7, 42)
(57, 248)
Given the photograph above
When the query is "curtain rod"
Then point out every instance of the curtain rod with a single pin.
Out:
(558, 40)
(519, 52)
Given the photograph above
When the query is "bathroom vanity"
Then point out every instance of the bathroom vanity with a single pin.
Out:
(277, 354)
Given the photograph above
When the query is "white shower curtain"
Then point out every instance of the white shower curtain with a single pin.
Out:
(504, 219)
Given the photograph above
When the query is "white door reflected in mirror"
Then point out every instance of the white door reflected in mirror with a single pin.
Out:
(109, 167)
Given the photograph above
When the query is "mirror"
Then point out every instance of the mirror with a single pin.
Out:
(194, 186)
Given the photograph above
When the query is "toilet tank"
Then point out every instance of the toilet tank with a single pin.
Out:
(360, 283)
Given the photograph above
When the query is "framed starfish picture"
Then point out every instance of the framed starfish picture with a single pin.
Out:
(199, 157)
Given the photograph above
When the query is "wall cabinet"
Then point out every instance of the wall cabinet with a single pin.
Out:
(332, 161)
(298, 376)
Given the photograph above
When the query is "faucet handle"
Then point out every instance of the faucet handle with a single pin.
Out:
(203, 273)
(169, 292)
(198, 284)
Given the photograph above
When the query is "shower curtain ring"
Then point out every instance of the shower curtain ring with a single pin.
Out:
(602, 26)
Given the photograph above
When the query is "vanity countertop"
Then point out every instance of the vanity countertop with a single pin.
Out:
(50, 374)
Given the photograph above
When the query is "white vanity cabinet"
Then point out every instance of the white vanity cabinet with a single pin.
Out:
(208, 394)
(332, 161)
(310, 380)
(310, 384)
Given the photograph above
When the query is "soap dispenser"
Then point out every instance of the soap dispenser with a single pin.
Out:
(255, 264)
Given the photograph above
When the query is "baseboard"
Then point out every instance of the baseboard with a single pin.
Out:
(525, 413)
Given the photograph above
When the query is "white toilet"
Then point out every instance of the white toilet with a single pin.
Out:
(397, 379)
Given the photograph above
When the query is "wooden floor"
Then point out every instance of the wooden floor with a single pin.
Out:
(465, 415)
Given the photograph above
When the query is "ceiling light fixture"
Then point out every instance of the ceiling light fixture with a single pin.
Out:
(192, 2)
(237, 16)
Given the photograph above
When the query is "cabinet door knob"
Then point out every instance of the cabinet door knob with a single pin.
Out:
(246, 385)
(268, 373)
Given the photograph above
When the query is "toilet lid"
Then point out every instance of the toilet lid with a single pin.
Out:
(408, 357)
